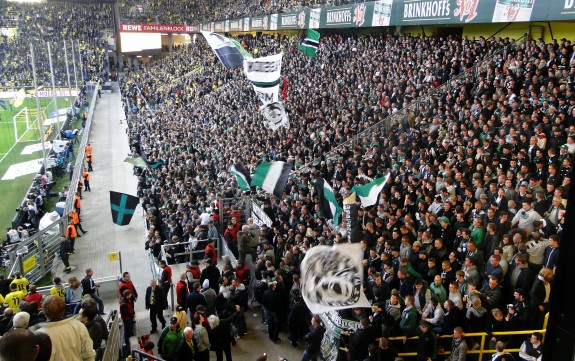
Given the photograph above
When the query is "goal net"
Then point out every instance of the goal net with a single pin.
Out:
(26, 125)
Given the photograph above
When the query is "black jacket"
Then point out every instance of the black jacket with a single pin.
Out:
(221, 335)
(184, 352)
(313, 339)
(272, 301)
(212, 274)
(158, 298)
(359, 342)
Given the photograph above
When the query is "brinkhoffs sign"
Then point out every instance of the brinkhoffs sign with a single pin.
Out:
(386, 13)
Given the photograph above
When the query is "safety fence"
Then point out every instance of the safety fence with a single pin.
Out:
(483, 344)
(38, 255)
(114, 343)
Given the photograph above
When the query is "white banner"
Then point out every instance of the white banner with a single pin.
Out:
(332, 278)
(265, 75)
(275, 115)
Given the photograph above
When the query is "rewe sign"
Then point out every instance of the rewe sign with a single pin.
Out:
(156, 28)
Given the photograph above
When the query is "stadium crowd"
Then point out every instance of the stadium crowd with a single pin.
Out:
(177, 12)
(466, 232)
(54, 22)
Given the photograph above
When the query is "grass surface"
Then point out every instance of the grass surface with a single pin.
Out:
(14, 191)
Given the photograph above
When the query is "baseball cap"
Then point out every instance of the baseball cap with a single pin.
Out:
(173, 320)
(444, 220)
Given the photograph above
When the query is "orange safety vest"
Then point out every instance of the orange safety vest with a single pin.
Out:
(88, 149)
(77, 202)
(71, 231)
(75, 218)
(86, 175)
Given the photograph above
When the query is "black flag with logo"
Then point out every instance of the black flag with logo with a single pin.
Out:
(123, 207)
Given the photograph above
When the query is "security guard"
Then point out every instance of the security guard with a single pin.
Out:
(86, 176)
(77, 204)
(71, 233)
(90, 159)
(76, 222)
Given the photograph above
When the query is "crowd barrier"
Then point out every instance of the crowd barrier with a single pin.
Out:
(38, 255)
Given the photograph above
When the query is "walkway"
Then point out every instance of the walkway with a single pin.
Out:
(110, 148)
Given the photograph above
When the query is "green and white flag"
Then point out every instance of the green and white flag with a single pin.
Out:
(230, 52)
(369, 193)
(265, 75)
(310, 43)
(272, 177)
(327, 202)
(242, 176)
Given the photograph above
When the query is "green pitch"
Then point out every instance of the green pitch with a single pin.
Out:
(13, 191)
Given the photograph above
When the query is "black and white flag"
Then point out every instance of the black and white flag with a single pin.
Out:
(275, 115)
(265, 74)
(332, 278)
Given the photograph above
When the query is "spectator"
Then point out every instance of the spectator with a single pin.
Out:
(155, 303)
(70, 339)
(313, 339)
(170, 340)
(458, 346)
(19, 345)
(89, 287)
(532, 349)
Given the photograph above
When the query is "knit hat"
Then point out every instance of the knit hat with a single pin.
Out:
(262, 357)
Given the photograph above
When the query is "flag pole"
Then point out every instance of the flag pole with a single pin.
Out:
(81, 63)
(67, 69)
(74, 63)
(40, 115)
(54, 88)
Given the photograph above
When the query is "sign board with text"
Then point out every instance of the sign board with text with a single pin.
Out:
(385, 13)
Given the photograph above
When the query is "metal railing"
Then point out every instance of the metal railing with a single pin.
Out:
(36, 256)
(482, 350)
(138, 355)
(114, 344)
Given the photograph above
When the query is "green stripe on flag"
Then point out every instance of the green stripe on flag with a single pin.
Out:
(266, 84)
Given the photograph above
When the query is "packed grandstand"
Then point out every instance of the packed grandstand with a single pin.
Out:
(477, 136)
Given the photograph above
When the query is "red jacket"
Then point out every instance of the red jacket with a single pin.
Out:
(127, 309)
(124, 285)
(181, 292)
(211, 253)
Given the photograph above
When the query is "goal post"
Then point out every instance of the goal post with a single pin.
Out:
(24, 121)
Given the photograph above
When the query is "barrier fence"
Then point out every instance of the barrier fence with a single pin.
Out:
(483, 345)
(38, 255)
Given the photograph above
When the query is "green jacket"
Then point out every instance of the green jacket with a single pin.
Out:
(169, 342)
(408, 322)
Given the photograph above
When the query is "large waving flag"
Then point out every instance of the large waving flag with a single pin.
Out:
(272, 177)
(242, 176)
(369, 193)
(230, 52)
(265, 75)
(123, 207)
(310, 43)
(332, 278)
(327, 202)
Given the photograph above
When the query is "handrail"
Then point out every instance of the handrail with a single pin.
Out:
(483, 336)
(66, 284)
(140, 355)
